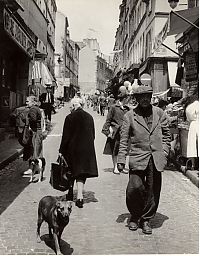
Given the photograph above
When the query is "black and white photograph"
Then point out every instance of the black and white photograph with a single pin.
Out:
(99, 127)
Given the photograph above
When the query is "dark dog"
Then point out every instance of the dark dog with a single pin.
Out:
(55, 211)
(37, 166)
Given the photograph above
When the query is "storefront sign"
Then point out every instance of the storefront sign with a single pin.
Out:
(191, 72)
(14, 29)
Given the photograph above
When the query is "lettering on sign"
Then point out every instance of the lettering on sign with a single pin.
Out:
(18, 35)
(191, 73)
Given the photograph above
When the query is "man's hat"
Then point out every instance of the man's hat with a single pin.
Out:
(143, 89)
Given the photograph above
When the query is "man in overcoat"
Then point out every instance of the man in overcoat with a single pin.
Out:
(147, 128)
(77, 146)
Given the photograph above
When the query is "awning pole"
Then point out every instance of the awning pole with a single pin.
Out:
(171, 50)
(181, 17)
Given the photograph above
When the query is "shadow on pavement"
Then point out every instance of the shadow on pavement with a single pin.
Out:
(12, 182)
(122, 217)
(88, 196)
(158, 220)
(64, 246)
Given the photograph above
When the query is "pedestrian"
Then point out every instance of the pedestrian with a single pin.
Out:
(112, 127)
(102, 104)
(37, 125)
(192, 116)
(81, 98)
(77, 147)
(47, 102)
(20, 114)
(111, 101)
(147, 129)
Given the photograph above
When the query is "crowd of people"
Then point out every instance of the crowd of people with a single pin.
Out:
(135, 128)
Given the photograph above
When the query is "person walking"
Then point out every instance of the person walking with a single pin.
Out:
(37, 125)
(20, 114)
(77, 147)
(111, 101)
(112, 127)
(102, 104)
(147, 129)
(47, 102)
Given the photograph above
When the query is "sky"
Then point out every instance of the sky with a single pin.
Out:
(92, 18)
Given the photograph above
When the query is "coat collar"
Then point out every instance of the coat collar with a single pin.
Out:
(139, 119)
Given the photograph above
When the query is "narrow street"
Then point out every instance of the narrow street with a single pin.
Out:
(101, 226)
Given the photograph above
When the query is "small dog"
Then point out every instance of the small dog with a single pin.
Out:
(55, 211)
(37, 166)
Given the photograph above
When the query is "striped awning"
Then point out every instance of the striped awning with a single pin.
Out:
(36, 71)
(41, 71)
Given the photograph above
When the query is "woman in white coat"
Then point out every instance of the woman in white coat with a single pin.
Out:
(192, 115)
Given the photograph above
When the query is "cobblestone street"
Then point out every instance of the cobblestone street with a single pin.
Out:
(101, 226)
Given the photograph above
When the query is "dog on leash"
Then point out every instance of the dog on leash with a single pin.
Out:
(55, 211)
(37, 166)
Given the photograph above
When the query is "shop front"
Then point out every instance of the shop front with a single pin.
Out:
(188, 47)
(16, 52)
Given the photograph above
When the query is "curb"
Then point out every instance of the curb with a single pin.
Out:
(11, 158)
(190, 175)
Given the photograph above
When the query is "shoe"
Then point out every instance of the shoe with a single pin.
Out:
(116, 171)
(146, 228)
(133, 225)
(29, 171)
(79, 203)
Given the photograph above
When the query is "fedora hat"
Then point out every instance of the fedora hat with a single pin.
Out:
(143, 90)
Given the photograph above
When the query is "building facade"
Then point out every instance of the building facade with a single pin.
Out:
(140, 23)
(94, 68)
(66, 59)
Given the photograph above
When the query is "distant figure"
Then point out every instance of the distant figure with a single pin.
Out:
(112, 128)
(102, 105)
(77, 147)
(47, 102)
(111, 101)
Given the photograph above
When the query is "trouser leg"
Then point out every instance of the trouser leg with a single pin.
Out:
(152, 191)
(135, 195)
(143, 192)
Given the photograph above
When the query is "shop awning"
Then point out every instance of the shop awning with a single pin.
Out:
(41, 71)
(172, 70)
(36, 71)
(177, 25)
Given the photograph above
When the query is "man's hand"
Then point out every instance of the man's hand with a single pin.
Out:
(120, 167)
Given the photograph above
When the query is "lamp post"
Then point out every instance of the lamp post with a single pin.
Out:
(173, 4)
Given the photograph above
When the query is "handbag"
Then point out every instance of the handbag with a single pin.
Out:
(61, 176)
(27, 134)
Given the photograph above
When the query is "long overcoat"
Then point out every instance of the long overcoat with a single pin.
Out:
(77, 144)
(145, 142)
